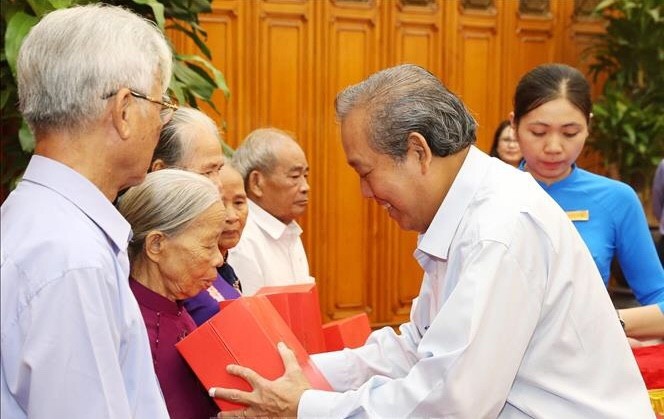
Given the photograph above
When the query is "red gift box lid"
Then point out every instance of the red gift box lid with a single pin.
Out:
(351, 332)
(299, 306)
(246, 332)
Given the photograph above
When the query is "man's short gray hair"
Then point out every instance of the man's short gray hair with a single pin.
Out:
(176, 136)
(405, 99)
(168, 201)
(257, 151)
(74, 57)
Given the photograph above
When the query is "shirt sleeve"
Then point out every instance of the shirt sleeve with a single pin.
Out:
(451, 370)
(70, 347)
(385, 353)
(636, 251)
(658, 192)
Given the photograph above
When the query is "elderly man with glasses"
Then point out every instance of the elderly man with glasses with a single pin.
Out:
(73, 341)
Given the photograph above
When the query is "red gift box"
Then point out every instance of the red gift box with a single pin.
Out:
(651, 364)
(299, 306)
(351, 332)
(245, 332)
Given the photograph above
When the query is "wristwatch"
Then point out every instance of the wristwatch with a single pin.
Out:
(620, 319)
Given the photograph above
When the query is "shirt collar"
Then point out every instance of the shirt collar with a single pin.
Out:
(437, 239)
(270, 224)
(572, 175)
(150, 299)
(81, 192)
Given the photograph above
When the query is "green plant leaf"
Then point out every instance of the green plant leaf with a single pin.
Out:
(61, 4)
(218, 77)
(157, 11)
(17, 28)
(631, 135)
(40, 7)
(604, 4)
(4, 97)
(194, 82)
(193, 36)
(26, 138)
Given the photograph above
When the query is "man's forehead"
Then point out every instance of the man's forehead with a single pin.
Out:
(290, 154)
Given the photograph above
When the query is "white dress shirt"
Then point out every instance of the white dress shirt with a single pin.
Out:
(73, 344)
(512, 320)
(269, 253)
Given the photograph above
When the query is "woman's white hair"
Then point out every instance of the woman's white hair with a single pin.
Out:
(168, 201)
(75, 57)
(177, 135)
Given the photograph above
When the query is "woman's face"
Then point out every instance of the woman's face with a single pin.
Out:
(551, 138)
(508, 147)
(235, 201)
(188, 260)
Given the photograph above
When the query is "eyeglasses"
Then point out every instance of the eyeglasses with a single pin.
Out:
(168, 104)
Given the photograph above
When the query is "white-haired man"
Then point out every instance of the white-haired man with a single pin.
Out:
(91, 81)
(275, 172)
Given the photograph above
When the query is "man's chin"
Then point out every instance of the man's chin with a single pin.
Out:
(407, 224)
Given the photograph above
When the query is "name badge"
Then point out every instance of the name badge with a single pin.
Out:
(579, 215)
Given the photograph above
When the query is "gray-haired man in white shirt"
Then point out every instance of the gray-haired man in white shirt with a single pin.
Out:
(275, 172)
(512, 320)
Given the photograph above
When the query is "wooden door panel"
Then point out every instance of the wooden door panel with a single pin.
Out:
(224, 41)
(347, 278)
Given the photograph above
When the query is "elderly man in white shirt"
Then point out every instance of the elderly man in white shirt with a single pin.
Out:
(512, 319)
(275, 172)
(74, 345)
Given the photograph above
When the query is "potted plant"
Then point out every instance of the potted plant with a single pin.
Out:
(628, 123)
(194, 77)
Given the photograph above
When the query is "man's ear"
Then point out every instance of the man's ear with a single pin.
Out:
(154, 245)
(417, 145)
(158, 164)
(120, 112)
(256, 182)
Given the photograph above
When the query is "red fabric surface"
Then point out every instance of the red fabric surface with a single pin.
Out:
(651, 364)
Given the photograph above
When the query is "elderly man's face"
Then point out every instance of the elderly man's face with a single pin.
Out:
(204, 155)
(285, 190)
(394, 186)
(188, 260)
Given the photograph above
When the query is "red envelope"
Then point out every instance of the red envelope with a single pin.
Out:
(351, 332)
(299, 306)
(245, 332)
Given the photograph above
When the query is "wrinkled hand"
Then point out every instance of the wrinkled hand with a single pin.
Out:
(278, 398)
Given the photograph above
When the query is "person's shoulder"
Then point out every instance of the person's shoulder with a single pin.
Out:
(506, 195)
(58, 236)
(586, 176)
(253, 235)
(605, 186)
